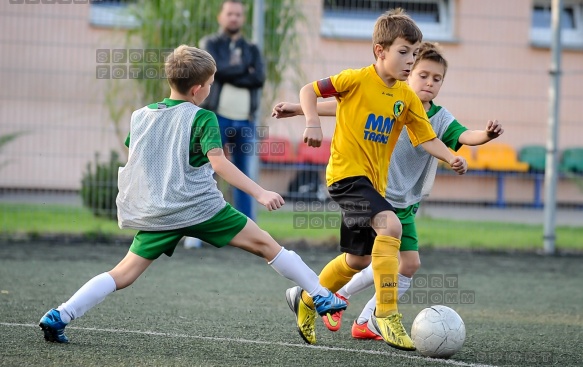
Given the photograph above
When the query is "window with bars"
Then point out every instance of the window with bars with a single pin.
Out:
(571, 23)
(356, 18)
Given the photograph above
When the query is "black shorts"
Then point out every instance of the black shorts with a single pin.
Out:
(359, 202)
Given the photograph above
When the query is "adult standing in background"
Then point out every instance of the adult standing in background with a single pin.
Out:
(235, 93)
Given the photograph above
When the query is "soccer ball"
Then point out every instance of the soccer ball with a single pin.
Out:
(438, 332)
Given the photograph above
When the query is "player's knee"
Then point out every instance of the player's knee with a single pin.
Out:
(391, 231)
(409, 267)
(264, 246)
(387, 224)
(266, 233)
(358, 262)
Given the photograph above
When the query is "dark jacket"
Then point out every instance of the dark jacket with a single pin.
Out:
(249, 74)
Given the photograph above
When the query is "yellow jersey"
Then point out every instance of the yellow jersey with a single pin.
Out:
(369, 118)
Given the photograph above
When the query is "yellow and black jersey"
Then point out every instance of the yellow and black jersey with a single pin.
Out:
(370, 116)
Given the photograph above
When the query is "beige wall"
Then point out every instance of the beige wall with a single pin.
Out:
(50, 91)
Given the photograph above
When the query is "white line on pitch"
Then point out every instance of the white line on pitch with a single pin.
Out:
(283, 344)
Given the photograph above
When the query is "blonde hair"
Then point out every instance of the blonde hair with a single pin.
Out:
(393, 24)
(188, 66)
(431, 51)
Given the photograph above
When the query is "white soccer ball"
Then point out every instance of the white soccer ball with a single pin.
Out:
(438, 332)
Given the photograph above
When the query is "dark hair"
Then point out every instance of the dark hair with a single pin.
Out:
(230, 1)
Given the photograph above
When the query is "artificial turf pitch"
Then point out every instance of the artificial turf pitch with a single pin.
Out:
(211, 307)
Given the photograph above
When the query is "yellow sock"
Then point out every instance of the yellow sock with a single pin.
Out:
(334, 276)
(385, 267)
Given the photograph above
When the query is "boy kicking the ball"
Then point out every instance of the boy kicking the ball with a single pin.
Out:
(411, 177)
(167, 191)
(374, 104)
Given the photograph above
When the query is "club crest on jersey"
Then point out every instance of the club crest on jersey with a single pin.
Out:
(398, 108)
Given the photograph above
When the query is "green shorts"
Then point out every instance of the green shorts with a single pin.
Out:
(409, 240)
(217, 231)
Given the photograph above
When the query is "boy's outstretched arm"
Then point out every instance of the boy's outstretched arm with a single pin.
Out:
(436, 148)
(309, 103)
(288, 109)
(478, 137)
(230, 173)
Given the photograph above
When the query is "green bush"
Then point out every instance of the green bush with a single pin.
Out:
(99, 186)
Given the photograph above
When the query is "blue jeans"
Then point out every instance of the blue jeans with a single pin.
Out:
(238, 137)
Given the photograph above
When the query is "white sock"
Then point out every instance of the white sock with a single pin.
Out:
(358, 283)
(87, 297)
(367, 310)
(404, 285)
(291, 266)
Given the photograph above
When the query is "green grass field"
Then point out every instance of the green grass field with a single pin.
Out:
(37, 221)
(210, 307)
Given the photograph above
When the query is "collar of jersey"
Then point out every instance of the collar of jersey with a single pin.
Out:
(168, 102)
(172, 102)
(378, 78)
(433, 109)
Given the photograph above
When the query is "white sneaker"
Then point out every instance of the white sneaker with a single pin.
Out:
(192, 242)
